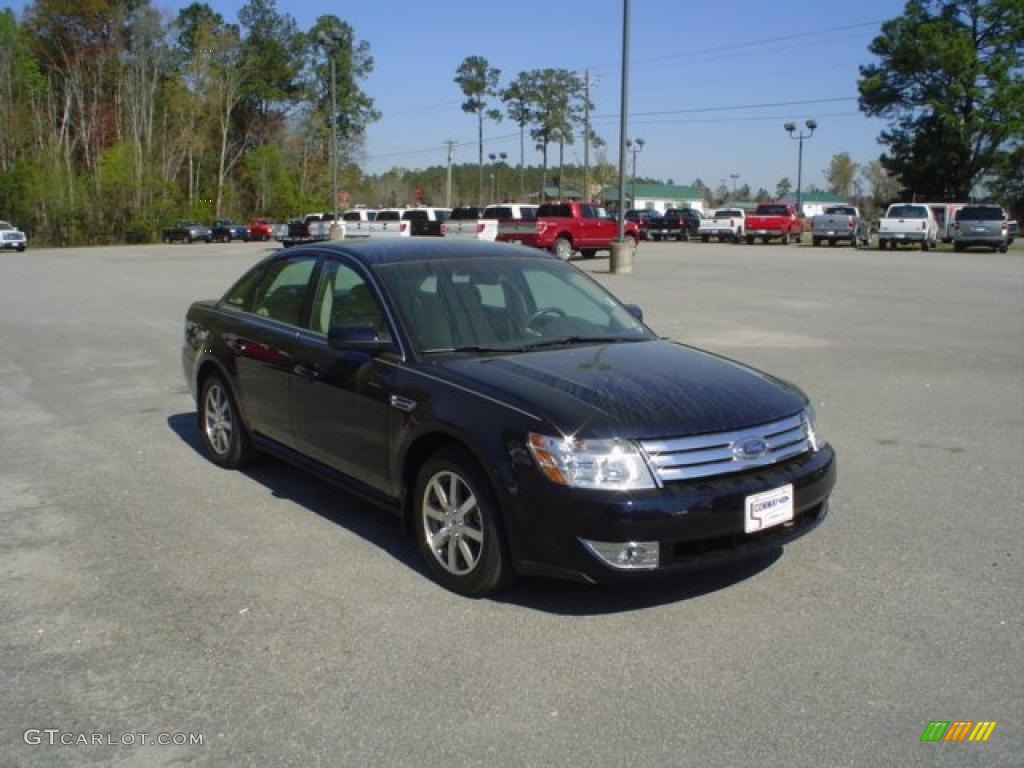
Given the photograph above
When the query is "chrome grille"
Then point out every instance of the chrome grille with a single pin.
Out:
(688, 458)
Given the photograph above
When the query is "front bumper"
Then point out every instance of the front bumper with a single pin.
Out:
(697, 524)
(16, 245)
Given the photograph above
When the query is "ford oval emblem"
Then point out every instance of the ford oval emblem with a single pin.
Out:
(753, 448)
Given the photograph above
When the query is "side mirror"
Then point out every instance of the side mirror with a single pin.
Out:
(635, 311)
(359, 338)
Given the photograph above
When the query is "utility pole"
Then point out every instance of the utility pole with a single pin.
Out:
(586, 135)
(448, 187)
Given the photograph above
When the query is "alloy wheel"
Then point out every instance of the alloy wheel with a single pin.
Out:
(452, 523)
(217, 419)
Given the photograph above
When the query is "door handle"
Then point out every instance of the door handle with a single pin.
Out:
(306, 371)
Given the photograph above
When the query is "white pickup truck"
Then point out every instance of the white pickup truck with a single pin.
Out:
(725, 223)
(486, 225)
(12, 237)
(400, 222)
(908, 223)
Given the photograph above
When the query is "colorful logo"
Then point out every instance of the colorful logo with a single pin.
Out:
(958, 730)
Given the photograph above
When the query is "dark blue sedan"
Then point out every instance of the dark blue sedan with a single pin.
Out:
(518, 417)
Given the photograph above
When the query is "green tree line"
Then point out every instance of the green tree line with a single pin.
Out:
(115, 120)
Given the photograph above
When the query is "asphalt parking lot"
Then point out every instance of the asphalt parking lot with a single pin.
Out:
(144, 590)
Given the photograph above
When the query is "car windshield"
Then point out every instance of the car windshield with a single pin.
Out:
(771, 210)
(481, 305)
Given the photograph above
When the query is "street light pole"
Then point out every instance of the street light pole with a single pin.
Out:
(639, 146)
(623, 119)
(329, 40)
(800, 136)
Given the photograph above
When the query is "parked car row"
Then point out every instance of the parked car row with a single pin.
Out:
(221, 231)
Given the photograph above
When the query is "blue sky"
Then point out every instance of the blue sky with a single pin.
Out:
(687, 60)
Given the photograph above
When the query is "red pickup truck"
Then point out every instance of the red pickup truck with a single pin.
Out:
(771, 220)
(564, 228)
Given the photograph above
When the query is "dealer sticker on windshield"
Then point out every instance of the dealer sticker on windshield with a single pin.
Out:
(764, 510)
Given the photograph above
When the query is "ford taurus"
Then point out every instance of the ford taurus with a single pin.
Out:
(518, 417)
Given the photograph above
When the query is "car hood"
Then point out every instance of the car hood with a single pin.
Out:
(636, 389)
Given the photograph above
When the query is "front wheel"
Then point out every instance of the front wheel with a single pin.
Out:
(925, 244)
(562, 248)
(457, 527)
(749, 239)
(785, 238)
(704, 238)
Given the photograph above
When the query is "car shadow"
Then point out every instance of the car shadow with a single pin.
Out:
(385, 531)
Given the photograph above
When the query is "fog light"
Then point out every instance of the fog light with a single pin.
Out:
(625, 555)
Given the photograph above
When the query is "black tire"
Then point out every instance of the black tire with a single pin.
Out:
(785, 238)
(831, 243)
(188, 238)
(704, 238)
(491, 567)
(958, 247)
(749, 239)
(1002, 248)
(925, 244)
(562, 248)
(231, 449)
(815, 241)
(588, 253)
(882, 244)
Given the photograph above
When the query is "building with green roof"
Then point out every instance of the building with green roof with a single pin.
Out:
(658, 197)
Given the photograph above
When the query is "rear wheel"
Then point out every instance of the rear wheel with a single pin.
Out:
(749, 239)
(225, 437)
(925, 244)
(882, 244)
(562, 248)
(1002, 248)
(785, 238)
(457, 527)
(831, 243)
(188, 238)
(704, 238)
(815, 241)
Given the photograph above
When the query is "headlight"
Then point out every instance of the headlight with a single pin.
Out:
(811, 424)
(614, 465)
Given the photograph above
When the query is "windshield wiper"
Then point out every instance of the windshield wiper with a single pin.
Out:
(482, 350)
(567, 340)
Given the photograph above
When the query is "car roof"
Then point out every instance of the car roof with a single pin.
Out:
(374, 252)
